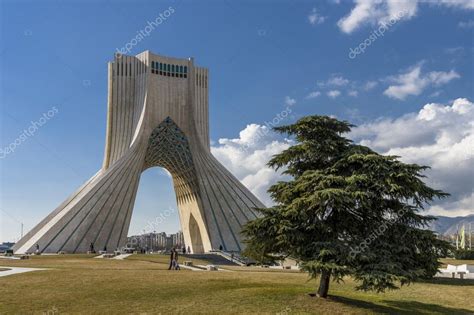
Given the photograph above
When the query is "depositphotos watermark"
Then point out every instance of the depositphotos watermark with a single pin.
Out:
(145, 32)
(28, 132)
(379, 32)
(286, 311)
(53, 311)
(269, 124)
(364, 245)
(150, 227)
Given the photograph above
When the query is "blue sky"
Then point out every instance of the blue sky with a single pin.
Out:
(410, 91)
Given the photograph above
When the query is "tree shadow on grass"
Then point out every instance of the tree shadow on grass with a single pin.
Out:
(402, 307)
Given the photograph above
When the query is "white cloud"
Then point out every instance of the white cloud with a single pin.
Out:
(353, 93)
(439, 136)
(369, 85)
(413, 82)
(466, 24)
(436, 93)
(461, 207)
(290, 101)
(333, 93)
(461, 4)
(334, 81)
(246, 157)
(338, 81)
(164, 172)
(375, 12)
(315, 18)
(313, 95)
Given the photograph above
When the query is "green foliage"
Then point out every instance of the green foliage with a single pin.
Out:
(348, 210)
(464, 254)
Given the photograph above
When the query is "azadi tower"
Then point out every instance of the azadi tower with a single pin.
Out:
(157, 115)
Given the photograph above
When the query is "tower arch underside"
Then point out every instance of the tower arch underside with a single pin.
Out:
(169, 148)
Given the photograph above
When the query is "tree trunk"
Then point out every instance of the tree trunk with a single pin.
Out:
(324, 284)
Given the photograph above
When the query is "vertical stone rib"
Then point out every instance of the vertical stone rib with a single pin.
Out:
(229, 194)
(74, 210)
(215, 203)
(99, 194)
(108, 204)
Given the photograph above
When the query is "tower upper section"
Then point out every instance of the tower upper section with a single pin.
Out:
(146, 89)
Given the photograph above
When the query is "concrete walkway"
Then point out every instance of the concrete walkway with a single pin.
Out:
(190, 268)
(218, 268)
(16, 270)
(10, 257)
(121, 256)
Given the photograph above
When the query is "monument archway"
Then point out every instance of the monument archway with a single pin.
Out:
(195, 234)
(157, 115)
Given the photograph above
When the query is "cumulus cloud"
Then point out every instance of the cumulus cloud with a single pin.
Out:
(313, 95)
(333, 93)
(414, 82)
(369, 85)
(334, 86)
(377, 12)
(353, 93)
(290, 101)
(334, 81)
(462, 4)
(439, 136)
(164, 172)
(246, 157)
(373, 12)
(315, 18)
(466, 24)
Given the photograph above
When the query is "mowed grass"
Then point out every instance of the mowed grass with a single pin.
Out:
(141, 284)
(456, 262)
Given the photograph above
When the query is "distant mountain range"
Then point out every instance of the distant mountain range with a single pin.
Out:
(449, 225)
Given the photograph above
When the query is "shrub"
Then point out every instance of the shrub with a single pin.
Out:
(464, 254)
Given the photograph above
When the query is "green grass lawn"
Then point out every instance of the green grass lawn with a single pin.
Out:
(452, 261)
(141, 284)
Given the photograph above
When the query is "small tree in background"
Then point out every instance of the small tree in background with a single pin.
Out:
(347, 211)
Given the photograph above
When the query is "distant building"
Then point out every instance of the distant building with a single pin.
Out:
(156, 241)
(5, 245)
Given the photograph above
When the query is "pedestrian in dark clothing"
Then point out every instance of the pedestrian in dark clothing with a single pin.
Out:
(173, 259)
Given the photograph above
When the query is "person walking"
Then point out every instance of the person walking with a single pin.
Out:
(172, 259)
(176, 264)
